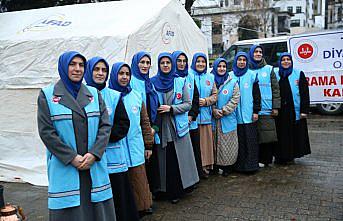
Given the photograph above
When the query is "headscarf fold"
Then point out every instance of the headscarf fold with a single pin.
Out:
(89, 72)
(149, 89)
(114, 84)
(63, 67)
(164, 82)
(219, 79)
(176, 55)
(253, 63)
(285, 72)
(194, 60)
(239, 71)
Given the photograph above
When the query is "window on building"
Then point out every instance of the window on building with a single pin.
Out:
(295, 23)
(221, 3)
(237, 2)
(339, 14)
(217, 49)
(290, 9)
(227, 3)
(216, 28)
(298, 9)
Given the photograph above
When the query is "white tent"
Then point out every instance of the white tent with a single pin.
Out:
(31, 42)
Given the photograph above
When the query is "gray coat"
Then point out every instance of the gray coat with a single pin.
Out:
(87, 211)
(183, 145)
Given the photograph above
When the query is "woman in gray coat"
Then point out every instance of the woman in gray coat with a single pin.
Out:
(74, 126)
(176, 159)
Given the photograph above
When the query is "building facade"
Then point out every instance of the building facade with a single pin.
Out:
(226, 21)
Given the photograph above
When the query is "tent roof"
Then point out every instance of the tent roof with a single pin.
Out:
(76, 20)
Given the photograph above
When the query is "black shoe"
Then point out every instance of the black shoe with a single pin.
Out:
(225, 174)
(204, 176)
(175, 201)
(146, 212)
(149, 211)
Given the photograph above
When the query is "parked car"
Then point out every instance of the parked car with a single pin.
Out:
(273, 47)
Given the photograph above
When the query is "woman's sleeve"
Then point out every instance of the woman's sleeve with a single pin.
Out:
(256, 97)
(121, 123)
(146, 129)
(275, 91)
(194, 112)
(232, 104)
(304, 94)
(213, 98)
(48, 133)
(104, 131)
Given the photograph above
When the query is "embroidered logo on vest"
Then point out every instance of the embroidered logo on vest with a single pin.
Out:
(56, 99)
(91, 99)
(190, 85)
(246, 85)
(134, 109)
(208, 83)
(178, 96)
(225, 92)
(264, 74)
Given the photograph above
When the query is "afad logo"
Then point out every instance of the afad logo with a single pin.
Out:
(46, 24)
(305, 51)
(167, 33)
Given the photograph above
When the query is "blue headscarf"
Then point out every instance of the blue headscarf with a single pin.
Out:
(149, 89)
(285, 72)
(180, 73)
(219, 79)
(236, 70)
(194, 60)
(164, 82)
(254, 64)
(89, 72)
(63, 67)
(114, 84)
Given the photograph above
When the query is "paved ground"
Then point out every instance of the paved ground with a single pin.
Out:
(311, 189)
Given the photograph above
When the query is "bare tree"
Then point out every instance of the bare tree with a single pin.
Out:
(263, 11)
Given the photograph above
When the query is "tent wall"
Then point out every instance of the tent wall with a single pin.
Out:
(22, 155)
(33, 64)
(168, 31)
(29, 62)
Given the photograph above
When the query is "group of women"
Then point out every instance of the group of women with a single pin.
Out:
(125, 137)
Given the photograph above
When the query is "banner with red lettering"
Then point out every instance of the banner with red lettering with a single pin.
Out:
(320, 56)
